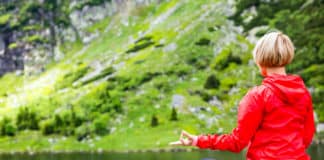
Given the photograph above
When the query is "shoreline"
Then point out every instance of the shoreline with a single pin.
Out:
(101, 151)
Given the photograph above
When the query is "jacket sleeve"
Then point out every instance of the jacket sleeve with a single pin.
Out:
(250, 115)
(309, 128)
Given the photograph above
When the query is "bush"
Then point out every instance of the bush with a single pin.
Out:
(311, 71)
(100, 99)
(65, 122)
(224, 58)
(105, 72)
(141, 44)
(212, 82)
(100, 125)
(154, 121)
(7, 128)
(162, 83)
(129, 83)
(4, 19)
(174, 116)
(48, 127)
(202, 93)
(27, 119)
(179, 69)
(203, 42)
(10, 129)
(82, 132)
(70, 77)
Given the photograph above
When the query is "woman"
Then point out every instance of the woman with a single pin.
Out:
(275, 119)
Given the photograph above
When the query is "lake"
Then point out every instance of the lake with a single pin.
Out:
(316, 152)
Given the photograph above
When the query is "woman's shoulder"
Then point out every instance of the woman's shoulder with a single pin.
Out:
(260, 90)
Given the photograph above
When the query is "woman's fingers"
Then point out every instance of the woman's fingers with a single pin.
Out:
(186, 134)
(185, 142)
(185, 139)
(176, 143)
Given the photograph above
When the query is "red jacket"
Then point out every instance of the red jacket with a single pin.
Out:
(275, 121)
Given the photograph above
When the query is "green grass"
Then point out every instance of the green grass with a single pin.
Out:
(144, 83)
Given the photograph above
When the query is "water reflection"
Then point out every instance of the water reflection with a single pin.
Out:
(316, 151)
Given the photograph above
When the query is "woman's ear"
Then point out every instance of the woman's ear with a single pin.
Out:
(263, 71)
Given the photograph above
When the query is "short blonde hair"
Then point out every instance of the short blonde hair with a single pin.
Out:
(274, 49)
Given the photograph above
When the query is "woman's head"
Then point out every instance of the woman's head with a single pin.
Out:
(273, 50)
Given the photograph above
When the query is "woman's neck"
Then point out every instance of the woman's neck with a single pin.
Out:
(276, 70)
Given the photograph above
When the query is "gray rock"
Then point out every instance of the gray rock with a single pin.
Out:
(215, 102)
(320, 127)
(2, 46)
(177, 101)
(170, 47)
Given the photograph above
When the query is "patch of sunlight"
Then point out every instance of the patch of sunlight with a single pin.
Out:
(31, 91)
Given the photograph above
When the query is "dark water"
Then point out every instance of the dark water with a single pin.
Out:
(316, 152)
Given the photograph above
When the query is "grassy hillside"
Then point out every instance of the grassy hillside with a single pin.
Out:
(119, 92)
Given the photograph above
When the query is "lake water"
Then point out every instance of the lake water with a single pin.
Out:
(316, 151)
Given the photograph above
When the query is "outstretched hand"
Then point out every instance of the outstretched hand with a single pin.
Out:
(185, 139)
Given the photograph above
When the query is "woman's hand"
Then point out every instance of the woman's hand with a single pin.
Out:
(185, 139)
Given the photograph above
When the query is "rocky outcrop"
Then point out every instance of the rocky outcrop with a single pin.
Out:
(11, 58)
(30, 49)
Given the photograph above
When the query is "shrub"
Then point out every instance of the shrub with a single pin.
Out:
(65, 122)
(82, 132)
(100, 99)
(212, 82)
(48, 126)
(141, 44)
(311, 71)
(179, 69)
(70, 77)
(7, 128)
(198, 60)
(202, 93)
(27, 119)
(203, 42)
(100, 125)
(105, 72)
(154, 121)
(4, 19)
(224, 58)
(129, 83)
(162, 83)
(10, 129)
(174, 116)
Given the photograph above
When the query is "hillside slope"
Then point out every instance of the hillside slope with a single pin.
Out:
(170, 66)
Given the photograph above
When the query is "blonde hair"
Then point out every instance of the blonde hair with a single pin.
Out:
(274, 49)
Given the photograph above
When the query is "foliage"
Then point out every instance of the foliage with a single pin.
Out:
(72, 76)
(4, 19)
(7, 127)
(132, 92)
(212, 82)
(105, 72)
(89, 3)
(154, 121)
(302, 21)
(47, 126)
(141, 44)
(12, 45)
(203, 42)
(100, 124)
(35, 39)
(9, 83)
(82, 132)
(224, 58)
(27, 119)
(174, 116)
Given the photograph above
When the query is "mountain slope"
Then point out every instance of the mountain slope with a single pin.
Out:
(119, 92)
